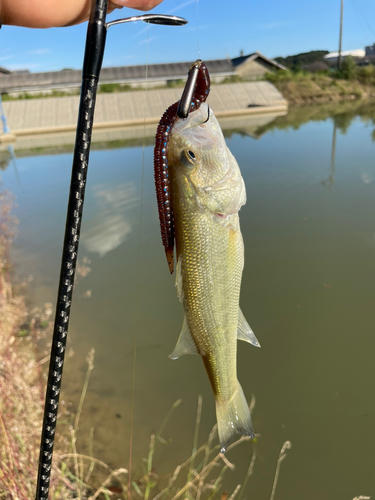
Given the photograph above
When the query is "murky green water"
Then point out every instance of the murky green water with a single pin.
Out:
(308, 292)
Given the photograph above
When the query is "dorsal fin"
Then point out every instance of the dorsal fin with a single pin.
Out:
(244, 332)
(185, 343)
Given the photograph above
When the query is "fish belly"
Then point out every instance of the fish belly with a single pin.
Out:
(212, 256)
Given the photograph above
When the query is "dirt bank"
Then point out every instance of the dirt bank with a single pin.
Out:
(22, 382)
(322, 89)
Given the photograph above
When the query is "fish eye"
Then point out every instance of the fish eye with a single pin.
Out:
(191, 156)
(188, 158)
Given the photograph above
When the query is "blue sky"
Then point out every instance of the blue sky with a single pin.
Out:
(220, 29)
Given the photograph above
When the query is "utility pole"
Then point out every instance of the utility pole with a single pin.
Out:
(340, 41)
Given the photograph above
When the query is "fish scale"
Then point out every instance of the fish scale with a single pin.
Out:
(207, 192)
(211, 288)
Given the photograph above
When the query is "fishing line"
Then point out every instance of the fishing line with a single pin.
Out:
(363, 17)
(199, 49)
(138, 272)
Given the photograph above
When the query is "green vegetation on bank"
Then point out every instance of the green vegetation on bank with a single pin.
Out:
(341, 113)
(41, 95)
(108, 88)
(351, 82)
(303, 59)
(105, 88)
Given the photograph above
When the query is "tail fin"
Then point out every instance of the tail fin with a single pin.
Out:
(233, 418)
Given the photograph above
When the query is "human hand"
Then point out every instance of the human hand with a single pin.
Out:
(57, 13)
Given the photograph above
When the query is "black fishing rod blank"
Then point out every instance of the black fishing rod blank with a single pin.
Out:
(95, 44)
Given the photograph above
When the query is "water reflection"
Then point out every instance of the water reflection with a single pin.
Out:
(331, 178)
(8, 156)
(343, 114)
(306, 287)
(366, 178)
(4, 160)
(111, 226)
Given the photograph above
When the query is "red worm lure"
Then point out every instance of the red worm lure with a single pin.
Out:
(162, 181)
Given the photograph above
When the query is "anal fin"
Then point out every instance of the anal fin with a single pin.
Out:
(185, 343)
(244, 332)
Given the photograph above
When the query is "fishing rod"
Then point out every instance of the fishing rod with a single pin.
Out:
(93, 58)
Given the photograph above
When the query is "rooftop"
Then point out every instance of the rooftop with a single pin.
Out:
(122, 74)
(354, 53)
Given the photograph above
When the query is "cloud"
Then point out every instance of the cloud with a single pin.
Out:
(111, 227)
(121, 197)
(39, 52)
(179, 7)
(17, 66)
(175, 9)
(107, 235)
(366, 178)
(143, 30)
(142, 42)
(193, 27)
(6, 58)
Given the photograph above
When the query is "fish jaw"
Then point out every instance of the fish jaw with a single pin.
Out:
(214, 179)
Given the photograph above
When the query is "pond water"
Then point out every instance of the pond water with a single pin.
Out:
(308, 292)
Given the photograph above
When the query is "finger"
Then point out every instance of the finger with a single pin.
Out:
(137, 4)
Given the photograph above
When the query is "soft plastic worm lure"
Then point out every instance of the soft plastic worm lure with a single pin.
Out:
(195, 92)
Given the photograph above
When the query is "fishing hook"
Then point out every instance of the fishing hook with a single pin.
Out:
(205, 121)
(208, 115)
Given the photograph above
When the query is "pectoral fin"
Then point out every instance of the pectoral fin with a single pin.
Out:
(185, 343)
(244, 332)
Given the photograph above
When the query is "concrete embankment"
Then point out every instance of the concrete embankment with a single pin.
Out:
(129, 115)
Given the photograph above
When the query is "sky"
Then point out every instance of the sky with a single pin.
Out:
(217, 29)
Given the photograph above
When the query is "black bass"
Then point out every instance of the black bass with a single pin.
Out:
(206, 191)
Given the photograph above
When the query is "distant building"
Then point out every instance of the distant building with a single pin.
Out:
(332, 57)
(250, 67)
(255, 66)
(370, 50)
(4, 71)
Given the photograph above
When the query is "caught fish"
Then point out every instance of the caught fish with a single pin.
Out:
(205, 191)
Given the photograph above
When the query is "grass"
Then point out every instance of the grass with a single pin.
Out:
(39, 95)
(352, 82)
(22, 389)
(200, 476)
(21, 380)
(105, 88)
(108, 88)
